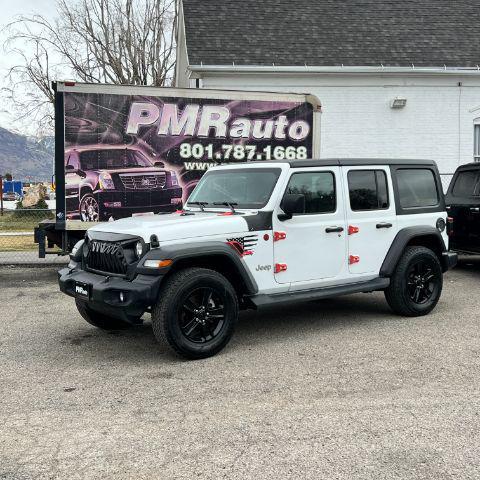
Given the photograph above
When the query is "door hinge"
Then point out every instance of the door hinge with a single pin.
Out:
(279, 236)
(280, 267)
(353, 259)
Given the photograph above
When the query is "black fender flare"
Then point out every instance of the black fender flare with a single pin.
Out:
(403, 238)
(197, 251)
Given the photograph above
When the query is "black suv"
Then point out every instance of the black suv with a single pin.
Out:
(463, 207)
(114, 181)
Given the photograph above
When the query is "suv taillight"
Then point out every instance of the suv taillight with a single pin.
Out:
(174, 179)
(449, 226)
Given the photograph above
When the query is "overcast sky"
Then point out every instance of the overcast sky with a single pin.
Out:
(9, 9)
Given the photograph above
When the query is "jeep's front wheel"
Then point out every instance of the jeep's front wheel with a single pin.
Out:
(416, 284)
(196, 312)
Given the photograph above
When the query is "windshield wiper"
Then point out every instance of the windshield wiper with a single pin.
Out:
(230, 205)
(200, 204)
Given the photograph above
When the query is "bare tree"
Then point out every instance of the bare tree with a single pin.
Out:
(112, 41)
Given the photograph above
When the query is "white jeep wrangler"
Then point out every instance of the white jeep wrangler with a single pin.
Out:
(267, 233)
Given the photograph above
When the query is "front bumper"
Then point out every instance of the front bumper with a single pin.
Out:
(104, 292)
(449, 260)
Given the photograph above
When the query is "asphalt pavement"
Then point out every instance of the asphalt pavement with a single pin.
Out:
(337, 389)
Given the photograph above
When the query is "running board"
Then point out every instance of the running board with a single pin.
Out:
(318, 293)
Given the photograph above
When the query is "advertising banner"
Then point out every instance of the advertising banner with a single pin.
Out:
(135, 154)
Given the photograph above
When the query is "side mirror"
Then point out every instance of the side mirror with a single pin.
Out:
(159, 164)
(292, 204)
(72, 169)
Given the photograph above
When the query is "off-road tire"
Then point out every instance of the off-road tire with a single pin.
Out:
(167, 312)
(100, 320)
(397, 294)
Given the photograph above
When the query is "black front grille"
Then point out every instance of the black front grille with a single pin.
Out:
(106, 257)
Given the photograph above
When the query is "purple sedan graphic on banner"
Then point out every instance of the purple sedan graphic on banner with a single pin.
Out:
(129, 154)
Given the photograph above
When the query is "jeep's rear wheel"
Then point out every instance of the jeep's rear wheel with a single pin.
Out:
(99, 320)
(417, 283)
(196, 312)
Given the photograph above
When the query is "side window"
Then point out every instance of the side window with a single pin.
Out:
(318, 188)
(465, 184)
(72, 161)
(368, 190)
(417, 187)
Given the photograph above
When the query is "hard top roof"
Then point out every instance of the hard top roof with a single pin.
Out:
(357, 161)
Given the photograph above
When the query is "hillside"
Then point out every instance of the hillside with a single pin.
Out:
(27, 158)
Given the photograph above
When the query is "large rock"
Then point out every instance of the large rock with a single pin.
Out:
(33, 195)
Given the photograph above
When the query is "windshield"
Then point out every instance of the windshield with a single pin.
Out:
(247, 188)
(112, 159)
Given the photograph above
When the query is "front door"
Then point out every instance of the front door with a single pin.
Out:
(311, 246)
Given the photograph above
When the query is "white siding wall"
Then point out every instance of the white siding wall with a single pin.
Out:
(357, 121)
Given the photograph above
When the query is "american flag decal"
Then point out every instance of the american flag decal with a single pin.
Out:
(247, 242)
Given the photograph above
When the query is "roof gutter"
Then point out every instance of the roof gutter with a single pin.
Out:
(197, 70)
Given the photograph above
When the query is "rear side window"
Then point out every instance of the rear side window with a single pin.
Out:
(466, 184)
(417, 188)
(368, 190)
(318, 189)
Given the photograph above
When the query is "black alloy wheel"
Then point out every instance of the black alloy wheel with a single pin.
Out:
(417, 282)
(422, 282)
(202, 315)
(196, 312)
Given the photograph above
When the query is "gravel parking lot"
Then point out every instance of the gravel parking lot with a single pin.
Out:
(337, 389)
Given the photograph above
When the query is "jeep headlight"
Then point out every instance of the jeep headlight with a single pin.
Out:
(139, 249)
(77, 251)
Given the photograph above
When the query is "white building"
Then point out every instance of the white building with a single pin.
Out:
(396, 79)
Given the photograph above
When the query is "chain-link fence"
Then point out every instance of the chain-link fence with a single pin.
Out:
(17, 244)
(446, 179)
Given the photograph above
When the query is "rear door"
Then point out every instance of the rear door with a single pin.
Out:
(371, 217)
(463, 205)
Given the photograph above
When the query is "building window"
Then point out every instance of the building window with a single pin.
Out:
(476, 142)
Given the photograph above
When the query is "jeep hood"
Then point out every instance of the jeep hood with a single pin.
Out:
(174, 226)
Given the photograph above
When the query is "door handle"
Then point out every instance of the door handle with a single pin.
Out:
(334, 229)
(384, 225)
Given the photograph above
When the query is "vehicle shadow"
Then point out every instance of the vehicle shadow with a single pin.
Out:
(292, 320)
(269, 324)
(469, 263)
